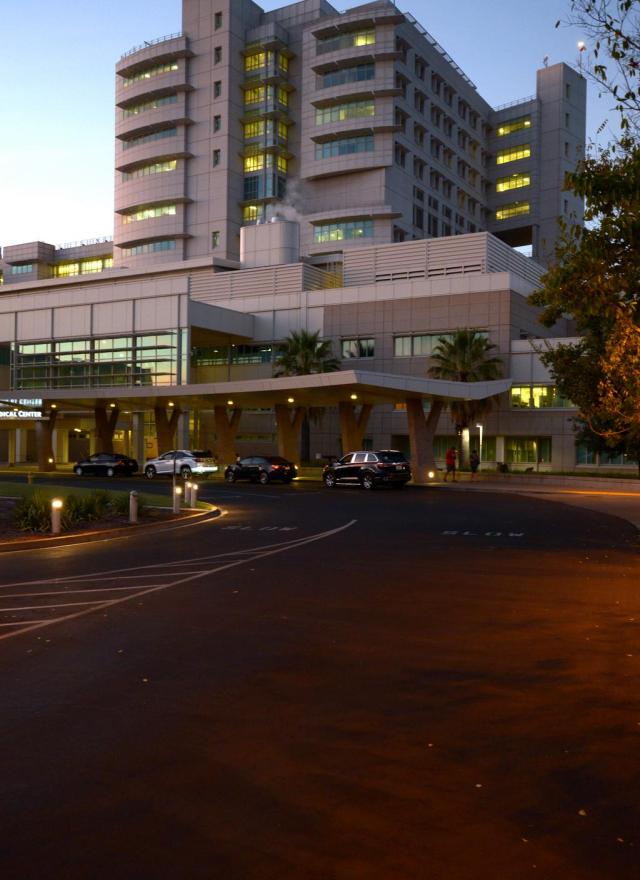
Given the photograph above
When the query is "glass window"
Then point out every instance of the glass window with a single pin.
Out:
(514, 209)
(344, 147)
(511, 154)
(147, 138)
(343, 231)
(402, 346)
(357, 73)
(345, 41)
(528, 450)
(513, 181)
(154, 168)
(150, 247)
(150, 72)
(359, 457)
(255, 61)
(348, 110)
(538, 397)
(358, 348)
(149, 213)
(519, 124)
(143, 107)
(22, 269)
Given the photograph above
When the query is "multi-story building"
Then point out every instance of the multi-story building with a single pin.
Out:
(357, 124)
(400, 180)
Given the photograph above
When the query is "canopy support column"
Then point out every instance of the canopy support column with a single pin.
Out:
(352, 427)
(288, 429)
(226, 431)
(421, 434)
(105, 426)
(166, 427)
(44, 442)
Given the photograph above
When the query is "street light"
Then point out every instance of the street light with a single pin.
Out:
(480, 428)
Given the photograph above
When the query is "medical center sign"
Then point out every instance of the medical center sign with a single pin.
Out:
(22, 408)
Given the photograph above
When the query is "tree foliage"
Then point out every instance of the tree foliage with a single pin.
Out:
(466, 357)
(304, 353)
(612, 28)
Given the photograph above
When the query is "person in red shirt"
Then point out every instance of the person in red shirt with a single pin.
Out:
(450, 461)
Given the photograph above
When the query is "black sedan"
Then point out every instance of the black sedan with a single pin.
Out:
(107, 464)
(369, 469)
(261, 469)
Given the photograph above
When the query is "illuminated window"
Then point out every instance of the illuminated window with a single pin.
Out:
(523, 151)
(262, 160)
(345, 41)
(349, 110)
(515, 209)
(150, 72)
(149, 213)
(283, 62)
(528, 450)
(513, 181)
(283, 96)
(349, 231)
(150, 247)
(254, 163)
(149, 105)
(82, 267)
(155, 168)
(345, 147)
(538, 397)
(254, 96)
(252, 213)
(357, 73)
(255, 61)
(253, 129)
(519, 124)
(147, 138)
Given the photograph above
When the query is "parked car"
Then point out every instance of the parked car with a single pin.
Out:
(369, 469)
(107, 464)
(185, 461)
(261, 469)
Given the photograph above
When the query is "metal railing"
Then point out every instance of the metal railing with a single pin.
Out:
(514, 103)
(148, 43)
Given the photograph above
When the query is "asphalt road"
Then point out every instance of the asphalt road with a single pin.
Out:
(327, 684)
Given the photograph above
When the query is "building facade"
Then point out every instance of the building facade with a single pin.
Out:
(300, 168)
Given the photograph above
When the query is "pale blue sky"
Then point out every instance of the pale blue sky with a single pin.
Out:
(57, 87)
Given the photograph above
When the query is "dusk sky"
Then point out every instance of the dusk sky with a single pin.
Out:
(57, 93)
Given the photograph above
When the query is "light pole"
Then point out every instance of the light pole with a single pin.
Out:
(480, 428)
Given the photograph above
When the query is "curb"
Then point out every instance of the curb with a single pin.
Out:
(45, 543)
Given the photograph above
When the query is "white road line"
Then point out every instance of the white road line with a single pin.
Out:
(72, 592)
(21, 622)
(260, 554)
(44, 607)
(106, 575)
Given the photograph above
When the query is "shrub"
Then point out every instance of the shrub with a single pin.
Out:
(32, 514)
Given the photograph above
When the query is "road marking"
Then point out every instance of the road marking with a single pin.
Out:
(468, 533)
(259, 553)
(259, 529)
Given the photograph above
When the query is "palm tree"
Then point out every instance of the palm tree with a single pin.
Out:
(302, 354)
(466, 357)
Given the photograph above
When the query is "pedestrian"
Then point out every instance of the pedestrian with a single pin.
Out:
(474, 463)
(450, 461)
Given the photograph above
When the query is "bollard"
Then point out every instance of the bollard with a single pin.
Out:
(29, 478)
(194, 495)
(56, 515)
(187, 493)
(177, 497)
(133, 506)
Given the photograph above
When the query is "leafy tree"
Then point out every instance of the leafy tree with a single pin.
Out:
(466, 357)
(303, 354)
(596, 280)
(612, 28)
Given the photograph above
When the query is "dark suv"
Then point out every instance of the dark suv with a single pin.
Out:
(261, 469)
(369, 469)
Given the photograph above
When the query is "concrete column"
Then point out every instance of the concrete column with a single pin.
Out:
(226, 430)
(44, 444)
(288, 429)
(21, 444)
(421, 434)
(352, 427)
(184, 441)
(60, 443)
(106, 421)
(92, 442)
(137, 436)
(166, 427)
(500, 451)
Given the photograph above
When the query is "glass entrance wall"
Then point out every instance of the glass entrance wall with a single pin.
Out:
(145, 359)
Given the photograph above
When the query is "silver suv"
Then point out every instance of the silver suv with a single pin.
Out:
(183, 462)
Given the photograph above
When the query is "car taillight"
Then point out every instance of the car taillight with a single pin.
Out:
(275, 467)
(198, 460)
(381, 465)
